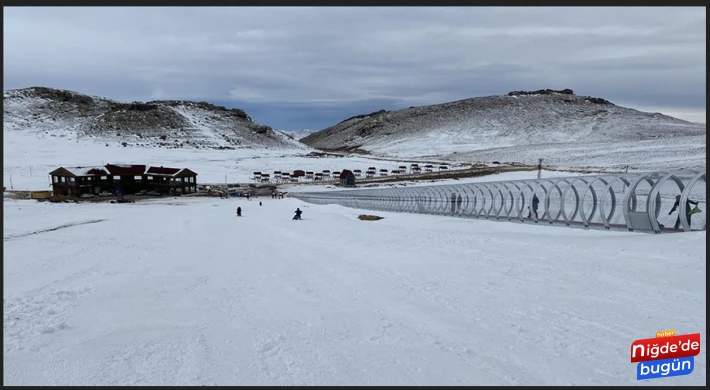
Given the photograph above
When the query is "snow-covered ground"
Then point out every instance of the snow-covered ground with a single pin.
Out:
(28, 159)
(182, 292)
(657, 154)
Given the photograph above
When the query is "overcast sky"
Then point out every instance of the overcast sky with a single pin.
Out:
(305, 67)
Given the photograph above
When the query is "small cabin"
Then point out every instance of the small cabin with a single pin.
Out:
(347, 178)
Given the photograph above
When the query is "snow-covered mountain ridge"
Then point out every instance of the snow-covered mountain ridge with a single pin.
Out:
(567, 129)
(164, 123)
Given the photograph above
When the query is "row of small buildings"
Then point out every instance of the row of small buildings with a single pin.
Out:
(346, 177)
(285, 176)
(120, 179)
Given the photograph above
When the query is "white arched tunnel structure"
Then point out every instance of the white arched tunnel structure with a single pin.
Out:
(633, 201)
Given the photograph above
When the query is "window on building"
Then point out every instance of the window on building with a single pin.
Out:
(149, 177)
(104, 177)
(71, 180)
(137, 178)
(117, 177)
(62, 179)
(55, 179)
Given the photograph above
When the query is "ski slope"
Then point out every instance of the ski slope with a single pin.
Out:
(182, 292)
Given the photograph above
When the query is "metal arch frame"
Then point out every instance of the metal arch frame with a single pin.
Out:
(595, 199)
(478, 211)
(539, 185)
(577, 205)
(441, 201)
(469, 201)
(506, 200)
(555, 186)
(631, 196)
(490, 192)
(686, 194)
(457, 199)
(513, 201)
(612, 193)
(505, 194)
(521, 200)
(497, 209)
(655, 194)
(510, 197)
(561, 213)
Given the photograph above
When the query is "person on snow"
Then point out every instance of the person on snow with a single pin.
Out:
(688, 211)
(535, 203)
(259, 203)
(248, 196)
(298, 214)
(239, 211)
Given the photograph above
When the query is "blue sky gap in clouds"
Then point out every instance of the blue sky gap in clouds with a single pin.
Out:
(310, 67)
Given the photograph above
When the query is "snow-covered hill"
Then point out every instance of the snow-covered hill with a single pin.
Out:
(168, 124)
(564, 129)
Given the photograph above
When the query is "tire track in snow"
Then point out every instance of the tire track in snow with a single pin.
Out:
(7, 238)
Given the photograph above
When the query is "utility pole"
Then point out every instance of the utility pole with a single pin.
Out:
(539, 169)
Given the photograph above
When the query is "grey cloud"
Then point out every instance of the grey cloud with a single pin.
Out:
(332, 56)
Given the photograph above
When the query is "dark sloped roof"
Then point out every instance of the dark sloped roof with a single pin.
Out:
(126, 169)
(345, 173)
(161, 171)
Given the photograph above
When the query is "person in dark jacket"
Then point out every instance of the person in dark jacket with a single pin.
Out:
(259, 203)
(535, 203)
(688, 211)
(298, 214)
(239, 211)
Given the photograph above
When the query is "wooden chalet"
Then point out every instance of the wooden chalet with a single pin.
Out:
(123, 179)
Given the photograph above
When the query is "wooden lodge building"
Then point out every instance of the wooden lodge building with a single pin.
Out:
(128, 179)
